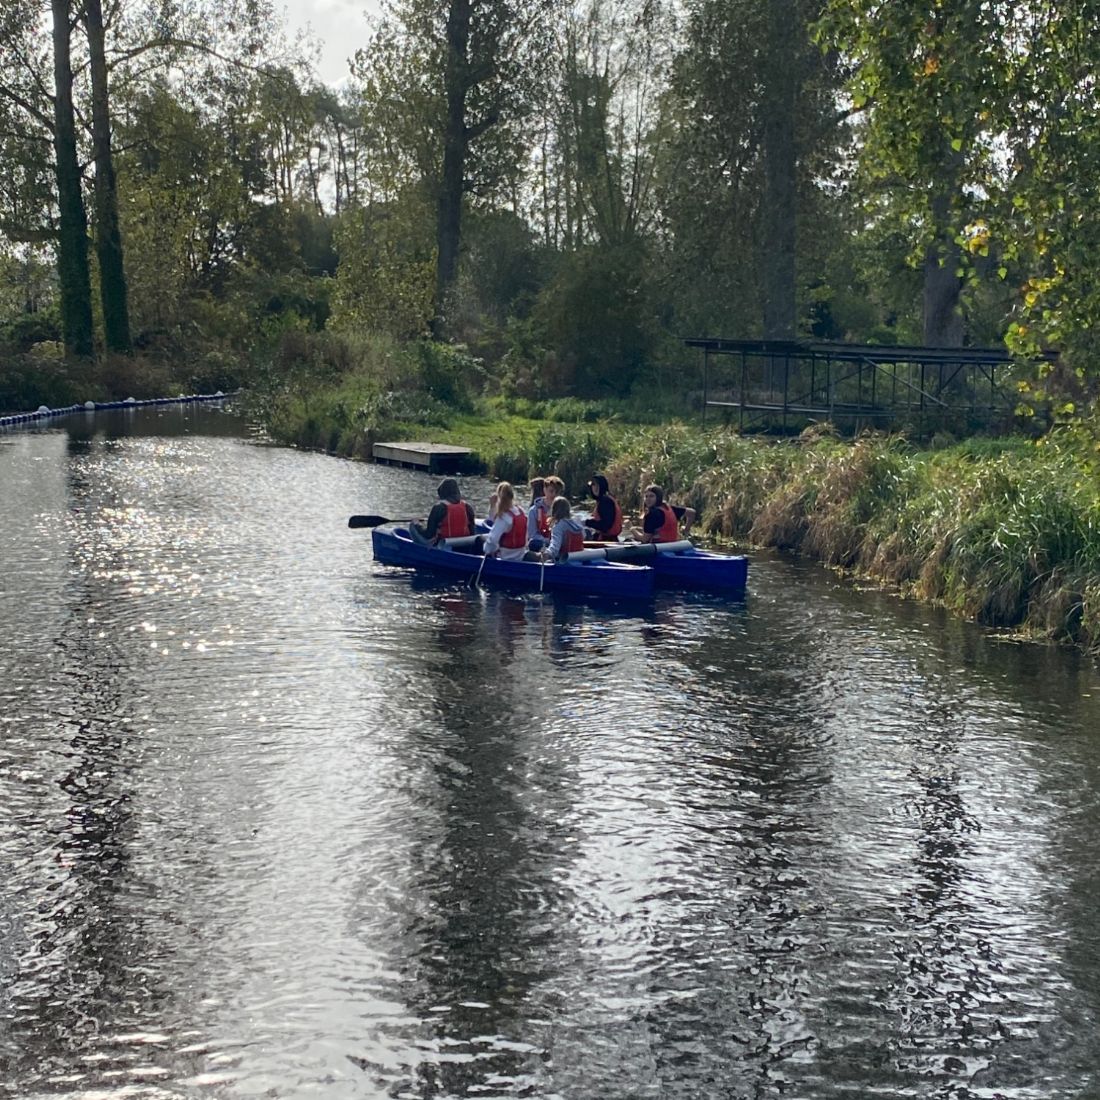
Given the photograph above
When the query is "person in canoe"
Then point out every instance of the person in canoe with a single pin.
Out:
(606, 521)
(507, 538)
(451, 517)
(537, 485)
(566, 533)
(538, 515)
(661, 522)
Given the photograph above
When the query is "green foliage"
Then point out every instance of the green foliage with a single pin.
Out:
(385, 280)
(333, 390)
(599, 317)
(573, 453)
(27, 329)
(449, 374)
(510, 466)
(43, 376)
(499, 274)
(28, 380)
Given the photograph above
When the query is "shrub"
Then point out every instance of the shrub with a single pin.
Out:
(27, 381)
(573, 453)
(450, 374)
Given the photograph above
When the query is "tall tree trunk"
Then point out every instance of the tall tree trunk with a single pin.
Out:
(455, 142)
(72, 244)
(943, 321)
(113, 293)
(780, 156)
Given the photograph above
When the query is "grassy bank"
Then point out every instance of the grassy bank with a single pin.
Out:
(1003, 532)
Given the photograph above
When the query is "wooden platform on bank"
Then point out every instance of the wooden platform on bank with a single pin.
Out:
(436, 458)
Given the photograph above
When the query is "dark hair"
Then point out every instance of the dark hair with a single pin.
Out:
(657, 491)
(600, 482)
(448, 489)
(538, 487)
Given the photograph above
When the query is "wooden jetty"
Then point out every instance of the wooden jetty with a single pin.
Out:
(436, 458)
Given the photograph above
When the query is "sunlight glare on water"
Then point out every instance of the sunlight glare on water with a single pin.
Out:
(278, 822)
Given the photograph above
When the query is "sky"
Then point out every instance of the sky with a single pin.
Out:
(340, 26)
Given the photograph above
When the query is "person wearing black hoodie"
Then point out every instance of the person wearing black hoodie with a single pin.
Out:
(606, 520)
(450, 517)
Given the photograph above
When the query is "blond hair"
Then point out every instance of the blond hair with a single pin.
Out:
(506, 497)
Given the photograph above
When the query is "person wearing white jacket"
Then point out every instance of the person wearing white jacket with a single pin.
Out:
(507, 538)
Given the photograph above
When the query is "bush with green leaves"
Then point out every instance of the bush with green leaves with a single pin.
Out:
(449, 374)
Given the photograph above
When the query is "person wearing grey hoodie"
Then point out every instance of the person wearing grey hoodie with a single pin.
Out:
(566, 533)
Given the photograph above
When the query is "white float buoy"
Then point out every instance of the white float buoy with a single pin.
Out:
(89, 406)
(43, 409)
(130, 401)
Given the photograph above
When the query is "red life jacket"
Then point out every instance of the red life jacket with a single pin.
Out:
(617, 523)
(670, 529)
(456, 523)
(573, 542)
(517, 537)
(542, 517)
(617, 518)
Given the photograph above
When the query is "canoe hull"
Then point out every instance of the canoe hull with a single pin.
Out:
(606, 579)
(699, 569)
(690, 567)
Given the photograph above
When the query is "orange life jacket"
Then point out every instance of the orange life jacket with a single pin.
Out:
(517, 537)
(542, 517)
(456, 523)
(670, 529)
(616, 527)
(573, 542)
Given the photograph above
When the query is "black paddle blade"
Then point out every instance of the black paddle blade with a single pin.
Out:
(367, 521)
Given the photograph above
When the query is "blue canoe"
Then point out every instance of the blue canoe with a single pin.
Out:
(611, 580)
(676, 564)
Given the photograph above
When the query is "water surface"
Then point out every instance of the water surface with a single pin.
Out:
(278, 822)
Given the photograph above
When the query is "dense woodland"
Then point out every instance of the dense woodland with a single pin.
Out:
(539, 199)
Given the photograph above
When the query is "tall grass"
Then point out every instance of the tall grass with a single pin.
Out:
(1002, 532)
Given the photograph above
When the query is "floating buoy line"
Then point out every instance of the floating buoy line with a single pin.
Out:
(43, 412)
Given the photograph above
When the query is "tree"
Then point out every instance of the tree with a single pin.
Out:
(108, 237)
(610, 119)
(1044, 224)
(931, 83)
(779, 102)
(756, 141)
(445, 91)
(72, 262)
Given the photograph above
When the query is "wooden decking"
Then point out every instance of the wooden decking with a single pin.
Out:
(436, 458)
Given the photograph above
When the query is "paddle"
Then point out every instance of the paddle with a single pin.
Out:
(376, 521)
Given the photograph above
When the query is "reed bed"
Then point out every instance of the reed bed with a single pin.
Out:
(1005, 533)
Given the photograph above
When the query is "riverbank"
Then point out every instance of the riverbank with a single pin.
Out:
(1004, 532)
(1001, 531)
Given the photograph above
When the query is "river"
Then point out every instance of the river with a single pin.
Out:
(277, 822)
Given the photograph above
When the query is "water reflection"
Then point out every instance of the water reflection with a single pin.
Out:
(279, 821)
(479, 873)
